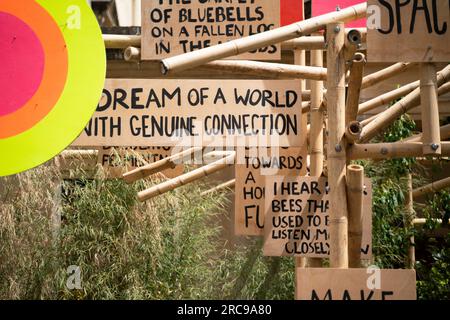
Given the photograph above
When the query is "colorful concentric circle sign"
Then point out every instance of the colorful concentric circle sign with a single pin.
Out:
(53, 65)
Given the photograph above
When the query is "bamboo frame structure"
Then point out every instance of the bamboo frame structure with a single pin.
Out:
(409, 221)
(381, 151)
(337, 146)
(412, 100)
(304, 43)
(431, 137)
(355, 189)
(353, 42)
(186, 178)
(256, 41)
(387, 97)
(166, 163)
(354, 87)
(432, 187)
(230, 184)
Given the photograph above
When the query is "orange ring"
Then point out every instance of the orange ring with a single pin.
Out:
(55, 70)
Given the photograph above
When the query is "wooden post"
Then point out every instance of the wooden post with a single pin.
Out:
(355, 189)
(337, 146)
(431, 137)
(409, 222)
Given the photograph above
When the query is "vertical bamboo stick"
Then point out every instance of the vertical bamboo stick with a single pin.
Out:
(337, 146)
(431, 137)
(355, 188)
(409, 222)
(316, 131)
(354, 87)
(300, 60)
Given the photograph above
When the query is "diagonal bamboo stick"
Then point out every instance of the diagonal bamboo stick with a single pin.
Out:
(389, 72)
(169, 162)
(431, 136)
(387, 97)
(432, 187)
(253, 42)
(228, 184)
(186, 178)
(412, 100)
(381, 151)
(354, 87)
(445, 134)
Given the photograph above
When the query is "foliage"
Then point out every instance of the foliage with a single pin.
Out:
(168, 248)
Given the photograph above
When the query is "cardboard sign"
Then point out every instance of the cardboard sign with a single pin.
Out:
(173, 27)
(250, 179)
(355, 284)
(159, 112)
(320, 7)
(297, 217)
(412, 30)
(118, 161)
(292, 11)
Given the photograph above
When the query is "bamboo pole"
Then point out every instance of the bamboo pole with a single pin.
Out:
(409, 221)
(354, 87)
(431, 137)
(316, 132)
(132, 54)
(152, 168)
(370, 119)
(118, 41)
(387, 97)
(300, 60)
(186, 178)
(226, 185)
(355, 188)
(389, 72)
(276, 70)
(337, 146)
(381, 151)
(444, 131)
(260, 40)
(353, 42)
(353, 131)
(316, 119)
(304, 43)
(432, 187)
(412, 100)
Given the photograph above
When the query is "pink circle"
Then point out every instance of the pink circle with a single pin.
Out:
(22, 61)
